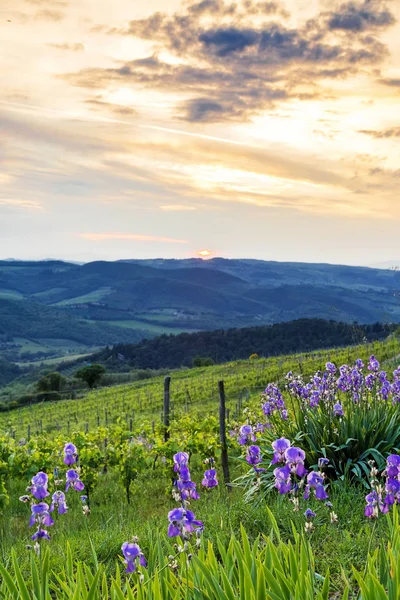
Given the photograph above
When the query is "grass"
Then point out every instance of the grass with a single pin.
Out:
(112, 521)
(27, 345)
(95, 296)
(54, 361)
(168, 315)
(145, 326)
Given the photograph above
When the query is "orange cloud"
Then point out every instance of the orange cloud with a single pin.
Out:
(98, 237)
(176, 207)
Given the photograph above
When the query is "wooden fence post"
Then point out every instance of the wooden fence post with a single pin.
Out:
(222, 433)
(167, 396)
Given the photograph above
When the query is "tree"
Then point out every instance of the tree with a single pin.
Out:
(200, 361)
(52, 382)
(91, 374)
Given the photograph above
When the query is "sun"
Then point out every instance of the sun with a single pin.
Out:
(204, 253)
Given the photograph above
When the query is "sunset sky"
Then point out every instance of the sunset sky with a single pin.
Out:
(262, 129)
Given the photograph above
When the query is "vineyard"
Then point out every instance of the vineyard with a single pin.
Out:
(193, 391)
(273, 519)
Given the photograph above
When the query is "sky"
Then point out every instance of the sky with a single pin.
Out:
(254, 129)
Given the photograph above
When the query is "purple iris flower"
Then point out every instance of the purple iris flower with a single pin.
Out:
(58, 499)
(279, 447)
(393, 465)
(309, 514)
(369, 381)
(40, 515)
(296, 457)
(392, 488)
(385, 390)
(133, 554)
(182, 522)
(181, 459)
(39, 486)
(369, 510)
(70, 454)
(330, 367)
(315, 481)
(253, 456)
(359, 363)
(268, 408)
(185, 485)
(73, 480)
(40, 534)
(382, 376)
(246, 435)
(314, 399)
(282, 479)
(373, 364)
(188, 490)
(338, 410)
(374, 503)
(210, 478)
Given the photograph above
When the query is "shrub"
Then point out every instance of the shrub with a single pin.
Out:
(200, 361)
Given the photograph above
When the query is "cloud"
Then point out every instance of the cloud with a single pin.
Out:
(212, 7)
(99, 237)
(47, 2)
(49, 15)
(72, 47)
(201, 109)
(361, 17)
(391, 82)
(22, 204)
(225, 41)
(235, 60)
(176, 207)
(97, 104)
(392, 132)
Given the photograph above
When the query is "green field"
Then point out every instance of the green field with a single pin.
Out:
(10, 294)
(119, 434)
(95, 296)
(53, 361)
(145, 326)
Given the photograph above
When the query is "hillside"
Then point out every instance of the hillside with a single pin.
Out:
(193, 390)
(82, 305)
(221, 346)
(31, 329)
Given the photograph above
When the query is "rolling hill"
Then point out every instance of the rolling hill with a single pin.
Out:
(54, 306)
(303, 335)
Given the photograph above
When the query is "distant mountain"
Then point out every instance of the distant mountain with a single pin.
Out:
(104, 302)
(389, 264)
